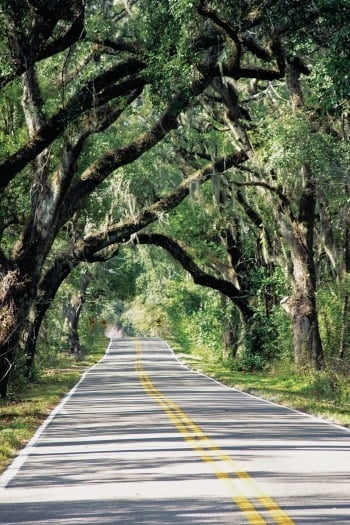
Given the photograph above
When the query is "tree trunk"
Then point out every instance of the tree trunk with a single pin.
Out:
(71, 327)
(306, 338)
(20, 276)
(15, 301)
(73, 312)
(48, 287)
(345, 329)
(299, 236)
(6, 363)
(30, 336)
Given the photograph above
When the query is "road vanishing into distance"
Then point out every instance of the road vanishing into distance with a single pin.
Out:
(144, 440)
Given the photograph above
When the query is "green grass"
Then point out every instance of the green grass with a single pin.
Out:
(323, 394)
(29, 406)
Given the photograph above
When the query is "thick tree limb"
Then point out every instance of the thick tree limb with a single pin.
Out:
(231, 32)
(199, 276)
(116, 45)
(104, 255)
(62, 267)
(103, 245)
(75, 32)
(234, 68)
(95, 93)
(116, 158)
(255, 48)
(252, 72)
(251, 213)
(35, 45)
(122, 231)
(285, 203)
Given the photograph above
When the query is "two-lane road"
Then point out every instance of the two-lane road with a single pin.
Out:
(143, 440)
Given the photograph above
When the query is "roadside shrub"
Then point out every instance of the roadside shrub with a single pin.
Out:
(249, 363)
(330, 385)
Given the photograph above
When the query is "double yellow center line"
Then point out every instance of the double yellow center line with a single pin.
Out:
(241, 485)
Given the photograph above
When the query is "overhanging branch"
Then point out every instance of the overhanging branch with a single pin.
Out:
(93, 94)
(199, 276)
(122, 231)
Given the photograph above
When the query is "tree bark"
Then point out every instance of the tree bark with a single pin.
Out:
(72, 316)
(345, 328)
(299, 236)
(44, 19)
(248, 339)
(49, 285)
(15, 300)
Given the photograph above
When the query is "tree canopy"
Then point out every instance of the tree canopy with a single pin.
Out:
(117, 113)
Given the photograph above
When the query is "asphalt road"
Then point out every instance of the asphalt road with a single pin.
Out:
(143, 440)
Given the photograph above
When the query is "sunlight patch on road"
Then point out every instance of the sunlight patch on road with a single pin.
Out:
(203, 488)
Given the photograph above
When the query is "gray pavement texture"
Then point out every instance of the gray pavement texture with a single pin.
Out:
(158, 444)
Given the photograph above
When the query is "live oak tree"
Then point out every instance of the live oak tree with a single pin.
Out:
(296, 211)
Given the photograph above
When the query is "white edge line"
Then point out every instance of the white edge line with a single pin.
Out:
(316, 418)
(19, 460)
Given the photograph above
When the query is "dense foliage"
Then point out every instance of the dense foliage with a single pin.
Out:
(214, 132)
